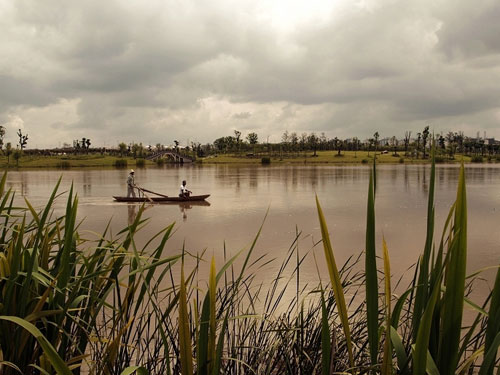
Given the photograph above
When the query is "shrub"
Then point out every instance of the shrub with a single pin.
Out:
(265, 160)
(160, 162)
(476, 159)
(401, 160)
(140, 163)
(439, 159)
(364, 161)
(120, 163)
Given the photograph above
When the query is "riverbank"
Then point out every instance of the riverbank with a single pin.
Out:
(322, 157)
(73, 161)
(328, 157)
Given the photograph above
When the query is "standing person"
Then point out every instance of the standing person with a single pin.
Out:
(184, 192)
(130, 184)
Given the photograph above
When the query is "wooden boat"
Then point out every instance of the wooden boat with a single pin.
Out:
(192, 198)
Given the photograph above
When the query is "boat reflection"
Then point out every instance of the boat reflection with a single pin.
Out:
(132, 210)
(185, 206)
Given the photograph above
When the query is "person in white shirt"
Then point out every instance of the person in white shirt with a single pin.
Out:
(130, 184)
(184, 192)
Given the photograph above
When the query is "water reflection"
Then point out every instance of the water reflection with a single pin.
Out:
(185, 206)
(241, 196)
(132, 213)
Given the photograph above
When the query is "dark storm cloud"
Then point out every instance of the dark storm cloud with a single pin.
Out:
(200, 69)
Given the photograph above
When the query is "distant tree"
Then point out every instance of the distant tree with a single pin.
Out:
(407, 141)
(88, 143)
(394, 144)
(23, 139)
(122, 147)
(2, 135)
(294, 140)
(303, 141)
(375, 139)
(8, 151)
(312, 140)
(419, 137)
(237, 136)
(355, 145)
(136, 150)
(425, 135)
(441, 142)
(224, 144)
(371, 142)
(253, 138)
(284, 137)
(176, 142)
(338, 145)
(17, 155)
(323, 141)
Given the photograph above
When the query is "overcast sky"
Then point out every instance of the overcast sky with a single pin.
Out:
(153, 71)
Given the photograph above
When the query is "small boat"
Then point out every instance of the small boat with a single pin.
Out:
(192, 198)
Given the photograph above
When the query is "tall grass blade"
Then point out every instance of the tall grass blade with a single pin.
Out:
(493, 326)
(325, 338)
(335, 281)
(135, 369)
(453, 299)
(371, 275)
(387, 360)
(213, 325)
(56, 361)
(489, 358)
(420, 349)
(422, 292)
(184, 332)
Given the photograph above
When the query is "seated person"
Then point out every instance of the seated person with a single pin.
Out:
(184, 192)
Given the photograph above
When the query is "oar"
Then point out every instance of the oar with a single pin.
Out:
(148, 198)
(152, 192)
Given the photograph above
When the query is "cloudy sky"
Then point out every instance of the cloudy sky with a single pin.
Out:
(153, 71)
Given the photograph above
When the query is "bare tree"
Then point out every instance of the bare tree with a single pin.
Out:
(23, 139)
(407, 141)
(425, 135)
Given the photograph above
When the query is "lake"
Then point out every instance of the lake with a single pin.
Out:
(241, 196)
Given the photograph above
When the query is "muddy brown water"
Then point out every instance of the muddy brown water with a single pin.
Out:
(240, 197)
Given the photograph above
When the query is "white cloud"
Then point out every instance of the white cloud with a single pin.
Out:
(160, 70)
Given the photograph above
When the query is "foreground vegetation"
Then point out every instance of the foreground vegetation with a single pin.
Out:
(114, 308)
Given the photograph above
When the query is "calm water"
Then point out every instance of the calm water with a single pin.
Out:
(241, 196)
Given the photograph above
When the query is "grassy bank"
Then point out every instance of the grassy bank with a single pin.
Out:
(73, 161)
(327, 157)
(322, 157)
(70, 305)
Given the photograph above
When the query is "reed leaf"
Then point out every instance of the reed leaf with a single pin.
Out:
(335, 281)
(453, 299)
(423, 287)
(325, 338)
(420, 349)
(56, 361)
(371, 286)
(134, 369)
(489, 358)
(184, 332)
(493, 326)
(213, 325)
(401, 356)
(387, 359)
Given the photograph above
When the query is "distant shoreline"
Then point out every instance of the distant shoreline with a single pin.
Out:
(302, 158)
